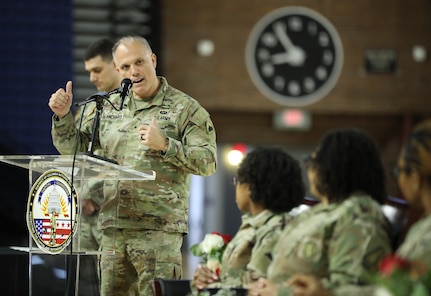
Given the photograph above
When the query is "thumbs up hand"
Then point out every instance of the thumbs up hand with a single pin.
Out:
(151, 136)
(61, 101)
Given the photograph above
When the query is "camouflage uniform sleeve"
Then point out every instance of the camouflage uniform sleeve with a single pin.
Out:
(237, 254)
(196, 152)
(63, 132)
(416, 245)
(355, 249)
(266, 238)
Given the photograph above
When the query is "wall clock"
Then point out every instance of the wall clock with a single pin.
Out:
(294, 56)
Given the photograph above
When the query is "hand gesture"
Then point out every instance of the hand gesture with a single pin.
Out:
(61, 101)
(151, 136)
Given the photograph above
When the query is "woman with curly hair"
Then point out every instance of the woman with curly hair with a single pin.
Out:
(413, 173)
(268, 186)
(342, 239)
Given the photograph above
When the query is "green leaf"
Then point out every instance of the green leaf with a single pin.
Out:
(419, 290)
(196, 250)
(398, 283)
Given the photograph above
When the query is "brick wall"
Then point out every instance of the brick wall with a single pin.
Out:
(221, 82)
(385, 105)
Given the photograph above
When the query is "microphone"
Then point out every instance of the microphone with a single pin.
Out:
(126, 85)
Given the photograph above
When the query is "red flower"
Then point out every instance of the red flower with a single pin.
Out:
(226, 238)
(217, 271)
(391, 263)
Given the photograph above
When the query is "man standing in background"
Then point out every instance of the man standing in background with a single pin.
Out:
(100, 66)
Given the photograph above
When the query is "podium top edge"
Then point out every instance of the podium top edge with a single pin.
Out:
(24, 161)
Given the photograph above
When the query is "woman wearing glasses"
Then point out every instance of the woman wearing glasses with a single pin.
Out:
(342, 239)
(413, 173)
(268, 186)
(414, 180)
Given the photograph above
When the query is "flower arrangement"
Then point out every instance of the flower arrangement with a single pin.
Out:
(399, 277)
(211, 250)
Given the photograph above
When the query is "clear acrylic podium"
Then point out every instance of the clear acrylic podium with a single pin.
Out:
(85, 169)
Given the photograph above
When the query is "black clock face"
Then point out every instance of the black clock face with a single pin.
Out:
(294, 56)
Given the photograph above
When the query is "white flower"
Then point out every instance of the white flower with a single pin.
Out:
(382, 291)
(211, 242)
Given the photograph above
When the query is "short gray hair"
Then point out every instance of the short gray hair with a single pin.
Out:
(131, 39)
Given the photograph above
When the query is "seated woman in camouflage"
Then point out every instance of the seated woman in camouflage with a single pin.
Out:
(268, 185)
(342, 239)
(414, 179)
(413, 173)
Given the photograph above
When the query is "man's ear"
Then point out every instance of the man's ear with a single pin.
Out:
(154, 59)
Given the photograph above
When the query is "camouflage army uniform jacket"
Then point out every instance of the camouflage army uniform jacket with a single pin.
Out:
(416, 247)
(339, 243)
(156, 205)
(417, 244)
(247, 253)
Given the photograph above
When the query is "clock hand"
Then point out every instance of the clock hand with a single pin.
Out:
(282, 36)
(294, 55)
(294, 58)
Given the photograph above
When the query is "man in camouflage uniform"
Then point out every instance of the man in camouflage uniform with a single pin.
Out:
(160, 128)
(99, 64)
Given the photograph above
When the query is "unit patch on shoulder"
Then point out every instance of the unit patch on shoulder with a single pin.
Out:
(51, 211)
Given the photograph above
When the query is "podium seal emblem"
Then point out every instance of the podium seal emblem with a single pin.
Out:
(51, 211)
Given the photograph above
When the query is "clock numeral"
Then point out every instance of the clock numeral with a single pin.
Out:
(323, 39)
(294, 88)
(327, 57)
(309, 84)
(263, 55)
(267, 70)
(269, 39)
(321, 73)
(279, 83)
(295, 24)
(312, 28)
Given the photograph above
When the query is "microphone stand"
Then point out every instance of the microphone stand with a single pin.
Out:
(99, 107)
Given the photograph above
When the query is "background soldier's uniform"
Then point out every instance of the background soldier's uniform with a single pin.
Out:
(416, 247)
(247, 254)
(90, 233)
(339, 243)
(417, 244)
(159, 207)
